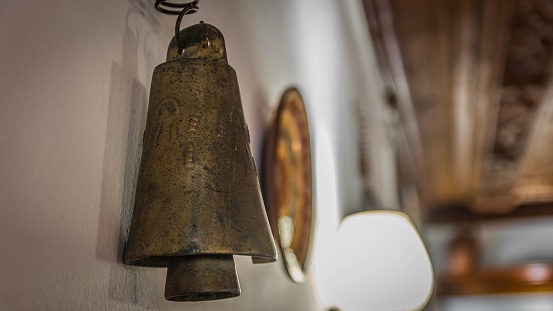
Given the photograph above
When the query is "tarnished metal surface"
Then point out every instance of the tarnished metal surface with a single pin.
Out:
(197, 278)
(197, 191)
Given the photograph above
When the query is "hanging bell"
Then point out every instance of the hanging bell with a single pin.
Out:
(198, 200)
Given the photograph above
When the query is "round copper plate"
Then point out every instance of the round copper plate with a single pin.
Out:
(288, 183)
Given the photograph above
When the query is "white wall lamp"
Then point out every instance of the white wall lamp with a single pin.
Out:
(373, 260)
(381, 263)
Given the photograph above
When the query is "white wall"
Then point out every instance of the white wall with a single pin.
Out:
(74, 84)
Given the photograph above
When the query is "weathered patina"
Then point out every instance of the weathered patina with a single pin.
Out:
(198, 200)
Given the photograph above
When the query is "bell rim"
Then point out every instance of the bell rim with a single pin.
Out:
(162, 260)
(205, 296)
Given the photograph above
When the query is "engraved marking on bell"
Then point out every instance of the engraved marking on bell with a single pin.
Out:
(194, 121)
(170, 105)
(238, 122)
(158, 135)
(189, 156)
(220, 130)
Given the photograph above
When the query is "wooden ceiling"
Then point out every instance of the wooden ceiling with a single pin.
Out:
(471, 81)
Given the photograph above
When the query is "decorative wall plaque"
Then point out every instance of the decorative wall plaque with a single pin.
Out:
(288, 183)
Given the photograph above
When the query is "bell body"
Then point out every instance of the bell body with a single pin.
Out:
(197, 192)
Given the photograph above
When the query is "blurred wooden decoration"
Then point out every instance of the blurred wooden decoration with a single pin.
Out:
(471, 81)
(472, 85)
(465, 275)
(463, 251)
(529, 278)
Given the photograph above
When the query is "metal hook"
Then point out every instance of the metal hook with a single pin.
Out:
(179, 9)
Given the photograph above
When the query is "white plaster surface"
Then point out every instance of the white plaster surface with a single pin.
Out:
(74, 86)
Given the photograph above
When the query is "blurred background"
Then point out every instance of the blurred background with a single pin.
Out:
(440, 109)
(471, 84)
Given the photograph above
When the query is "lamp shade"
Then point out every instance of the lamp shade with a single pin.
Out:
(381, 263)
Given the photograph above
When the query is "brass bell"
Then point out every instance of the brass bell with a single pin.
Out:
(198, 200)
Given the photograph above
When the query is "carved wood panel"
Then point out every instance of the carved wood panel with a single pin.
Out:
(476, 106)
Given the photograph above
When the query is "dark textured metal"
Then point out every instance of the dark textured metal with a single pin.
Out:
(197, 191)
(194, 278)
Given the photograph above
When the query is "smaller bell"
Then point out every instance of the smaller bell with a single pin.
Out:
(198, 200)
(186, 279)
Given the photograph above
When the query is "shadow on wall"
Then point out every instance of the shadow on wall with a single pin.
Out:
(126, 117)
(259, 120)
